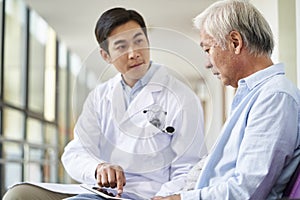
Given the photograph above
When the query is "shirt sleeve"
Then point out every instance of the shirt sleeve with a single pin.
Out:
(190, 195)
(81, 155)
(270, 137)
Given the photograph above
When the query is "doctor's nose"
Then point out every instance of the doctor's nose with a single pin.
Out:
(133, 53)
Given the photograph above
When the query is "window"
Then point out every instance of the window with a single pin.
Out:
(38, 72)
(14, 52)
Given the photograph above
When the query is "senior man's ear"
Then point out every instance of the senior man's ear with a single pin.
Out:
(236, 41)
(105, 55)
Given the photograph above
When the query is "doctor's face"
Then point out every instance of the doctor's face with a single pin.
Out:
(128, 51)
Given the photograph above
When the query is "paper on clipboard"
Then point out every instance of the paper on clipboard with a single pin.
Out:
(90, 188)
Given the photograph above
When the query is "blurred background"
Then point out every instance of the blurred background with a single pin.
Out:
(49, 62)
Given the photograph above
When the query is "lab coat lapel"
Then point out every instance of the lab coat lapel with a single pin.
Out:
(141, 102)
(145, 98)
(116, 98)
(135, 121)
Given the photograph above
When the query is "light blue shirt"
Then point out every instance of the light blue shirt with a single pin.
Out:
(258, 148)
(131, 93)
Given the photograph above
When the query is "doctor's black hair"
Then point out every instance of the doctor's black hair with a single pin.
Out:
(112, 18)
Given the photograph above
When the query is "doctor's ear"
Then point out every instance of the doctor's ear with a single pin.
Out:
(105, 55)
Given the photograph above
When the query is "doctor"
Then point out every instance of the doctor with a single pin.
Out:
(141, 131)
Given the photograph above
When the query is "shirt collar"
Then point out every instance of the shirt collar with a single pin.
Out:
(145, 79)
(149, 74)
(262, 75)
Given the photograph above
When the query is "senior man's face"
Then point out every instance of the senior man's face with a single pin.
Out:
(219, 60)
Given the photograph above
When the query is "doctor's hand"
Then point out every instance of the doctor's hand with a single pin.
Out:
(109, 175)
(172, 197)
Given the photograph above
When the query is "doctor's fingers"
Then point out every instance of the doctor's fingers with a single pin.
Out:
(112, 179)
(121, 181)
(107, 178)
(102, 180)
(116, 178)
(110, 176)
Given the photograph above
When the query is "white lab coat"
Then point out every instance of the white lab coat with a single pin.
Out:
(154, 162)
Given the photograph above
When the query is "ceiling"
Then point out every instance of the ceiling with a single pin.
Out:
(74, 20)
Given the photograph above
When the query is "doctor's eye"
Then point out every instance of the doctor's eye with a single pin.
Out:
(140, 42)
(121, 47)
